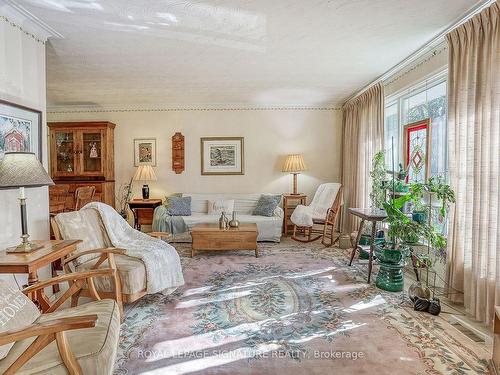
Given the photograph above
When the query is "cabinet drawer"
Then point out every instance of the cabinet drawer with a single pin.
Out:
(145, 216)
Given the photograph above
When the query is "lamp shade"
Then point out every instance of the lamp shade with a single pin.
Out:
(22, 169)
(294, 164)
(145, 173)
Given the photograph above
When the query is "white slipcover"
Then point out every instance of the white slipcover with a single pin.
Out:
(270, 228)
(324, 197)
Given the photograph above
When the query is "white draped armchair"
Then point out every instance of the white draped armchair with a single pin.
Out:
(320, 217)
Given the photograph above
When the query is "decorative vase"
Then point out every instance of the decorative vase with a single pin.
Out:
(234, 223)
(391, 261)
(145, 192)
(223, 221)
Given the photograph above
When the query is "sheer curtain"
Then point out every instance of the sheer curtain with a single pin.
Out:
(363, 134)
(474, 144)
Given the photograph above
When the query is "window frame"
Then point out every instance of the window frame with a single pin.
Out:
(405, 93)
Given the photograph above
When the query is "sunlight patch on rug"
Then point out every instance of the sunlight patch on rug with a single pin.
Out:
(296, 309)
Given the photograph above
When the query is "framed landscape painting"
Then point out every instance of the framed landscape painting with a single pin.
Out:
(20, 129)
(145, 152)
(222, 156)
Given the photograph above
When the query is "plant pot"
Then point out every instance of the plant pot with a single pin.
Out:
(390, 276)
(364, 240)
(419, 216)
(401, 187)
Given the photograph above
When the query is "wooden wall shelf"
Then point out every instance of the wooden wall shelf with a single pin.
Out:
(178, 153)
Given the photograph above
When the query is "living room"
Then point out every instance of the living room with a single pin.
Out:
(249, 187)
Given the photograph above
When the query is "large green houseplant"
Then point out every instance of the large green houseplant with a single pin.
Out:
(405, 229)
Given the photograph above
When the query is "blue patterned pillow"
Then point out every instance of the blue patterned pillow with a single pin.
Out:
(266, 205)
(179, 206)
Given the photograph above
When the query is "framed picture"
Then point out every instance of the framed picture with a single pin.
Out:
(416, 150)
(145, 152)
(222, 156)
(20, 129)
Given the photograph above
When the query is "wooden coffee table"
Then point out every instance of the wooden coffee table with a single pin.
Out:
(210, 237)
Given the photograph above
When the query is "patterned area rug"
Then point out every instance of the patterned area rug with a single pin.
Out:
(297, 309)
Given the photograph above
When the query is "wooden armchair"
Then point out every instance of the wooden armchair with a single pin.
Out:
(72, 346)
(104, 255)
(83, 195)
(320, 217)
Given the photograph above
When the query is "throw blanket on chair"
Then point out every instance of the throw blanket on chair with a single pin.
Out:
(163, 266)
(324, 197)
(164, 222)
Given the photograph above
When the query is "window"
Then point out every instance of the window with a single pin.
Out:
(427, 100)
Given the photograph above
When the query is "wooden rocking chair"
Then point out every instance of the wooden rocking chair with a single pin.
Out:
(319, 219)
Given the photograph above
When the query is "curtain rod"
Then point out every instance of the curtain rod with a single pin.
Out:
(427, 47)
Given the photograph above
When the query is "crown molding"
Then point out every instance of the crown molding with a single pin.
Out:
(428, 48)
(18, 16)
(54, 109)
(430, 55)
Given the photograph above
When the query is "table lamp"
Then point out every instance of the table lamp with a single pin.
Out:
(294, 164)
(145, 173)
(23, 170)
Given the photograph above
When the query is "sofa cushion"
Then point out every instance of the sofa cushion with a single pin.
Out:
(131, 270)
(94, 348)
(167, 198)
(85, 225)
(267, 204)
(179, 206)
(217, 207)
(16, 311)
(243, 203)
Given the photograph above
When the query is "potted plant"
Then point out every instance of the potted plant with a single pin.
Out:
(402, 231)
(444, 194)
(123, 197)
(422, 197)
(379, 183)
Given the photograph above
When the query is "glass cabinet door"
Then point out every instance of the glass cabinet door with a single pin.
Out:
(65, 153)
(92, 150)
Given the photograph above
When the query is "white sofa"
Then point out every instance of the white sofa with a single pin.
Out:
(269, 227)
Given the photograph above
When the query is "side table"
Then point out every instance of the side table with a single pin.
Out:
(290, 201)
(143, 210)
(373, 216)
(30, 263)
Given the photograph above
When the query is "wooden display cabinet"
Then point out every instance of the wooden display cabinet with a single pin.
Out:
(82, 154)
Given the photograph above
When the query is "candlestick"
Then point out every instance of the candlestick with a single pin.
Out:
(22, 195)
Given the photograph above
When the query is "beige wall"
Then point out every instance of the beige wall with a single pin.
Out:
(22, 81)
(269, 136)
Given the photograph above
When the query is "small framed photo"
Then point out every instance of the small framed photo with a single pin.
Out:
(145, 152)
(20, 129)
(222, 156)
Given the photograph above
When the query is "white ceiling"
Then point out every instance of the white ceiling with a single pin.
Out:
(247, 52)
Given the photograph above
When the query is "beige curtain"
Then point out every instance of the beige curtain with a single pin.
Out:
(474, 144)
(362, 134)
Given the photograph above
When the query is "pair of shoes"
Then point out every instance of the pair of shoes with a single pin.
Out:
(432, 306)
